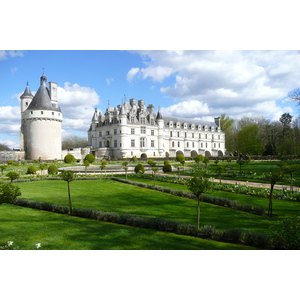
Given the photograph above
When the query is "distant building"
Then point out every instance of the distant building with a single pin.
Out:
(41, 119)
(132, 129)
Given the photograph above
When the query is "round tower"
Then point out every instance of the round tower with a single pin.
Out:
(42, 125)
(123, 126)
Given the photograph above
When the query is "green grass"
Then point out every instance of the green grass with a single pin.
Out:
(114, 196)
(280, 207)
(26, 227)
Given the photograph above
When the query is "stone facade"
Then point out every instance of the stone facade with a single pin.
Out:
(41, 120)
(132, 129)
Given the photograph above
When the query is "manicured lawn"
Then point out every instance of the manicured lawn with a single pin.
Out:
(114, 196)
(280, 207)
(26, 227)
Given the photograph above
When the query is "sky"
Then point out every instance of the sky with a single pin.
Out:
(200, 84)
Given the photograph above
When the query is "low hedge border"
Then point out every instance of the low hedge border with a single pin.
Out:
(236, 236)
(205, 198)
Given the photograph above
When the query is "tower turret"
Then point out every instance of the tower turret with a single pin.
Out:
(41, 125)
(160, 123)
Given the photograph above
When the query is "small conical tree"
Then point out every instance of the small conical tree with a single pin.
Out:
(68, 176)
(199, 185)
(125, 167)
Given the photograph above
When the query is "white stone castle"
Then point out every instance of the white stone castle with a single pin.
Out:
(41, 119)
(132, 129)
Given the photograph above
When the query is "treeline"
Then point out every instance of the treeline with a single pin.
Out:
(261, 136)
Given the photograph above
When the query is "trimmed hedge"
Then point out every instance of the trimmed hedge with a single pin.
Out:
(207, 231)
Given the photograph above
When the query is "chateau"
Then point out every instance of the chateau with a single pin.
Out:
(132, 129)
(41, 119)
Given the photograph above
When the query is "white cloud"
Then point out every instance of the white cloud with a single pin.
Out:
(230, 82)
(191, 108)
(132, 73)
(109, 81)
(5, 54)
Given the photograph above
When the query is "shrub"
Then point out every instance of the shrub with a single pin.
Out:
(167, 168)
(180, 158)
(151, 162)
(52, 169)
(286, 234)
(90, 158)
(256, 239)
(232, 235)
(208, 230)
(31, 170)
(259, 210)
(8, 192)
(69, 158)
(139, 168)
(10, 162)
(12, 175)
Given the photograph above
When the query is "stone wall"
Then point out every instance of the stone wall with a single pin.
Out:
(11, 155)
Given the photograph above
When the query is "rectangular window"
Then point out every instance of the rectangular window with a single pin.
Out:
(151, 121)
(187, 144)
(201, 145)
(178, 134)
(219, 145)
(171, 133)
(199, 135)
(214, 145)
(115, 143)
(100, 144)
(132, 143)
(178, 144)
(107, 132)
(132, 130)
(143, 142)
(143, 120)
(131, 119)
(152, 143)
(193, 144)
(206, 145)
(185, 134)
(193, 135)
(100, 133)
(143, 130)
(152, 132)
(115, 131)
(52, 113)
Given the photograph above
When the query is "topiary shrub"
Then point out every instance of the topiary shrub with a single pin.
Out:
(69, 158)
(90, 158)
(52, 169)
(31, 170)
(167, 168)
(139, 168)
(8, 192)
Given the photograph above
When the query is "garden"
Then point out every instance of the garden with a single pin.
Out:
(144, 211)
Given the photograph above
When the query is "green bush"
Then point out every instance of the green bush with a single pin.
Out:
(180, 158)
(31, 170)
(69, 158)
(232, 235)
(90, 158)
(286, 234)
(139, 168)
(52, 169)
(256, 239)
(10, 162)
(8, 192)
(167, 168)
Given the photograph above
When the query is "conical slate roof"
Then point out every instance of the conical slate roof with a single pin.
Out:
(41, 100)
(159, 116)
(27, 92)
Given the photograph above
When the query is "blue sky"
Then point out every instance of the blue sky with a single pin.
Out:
(196, 84)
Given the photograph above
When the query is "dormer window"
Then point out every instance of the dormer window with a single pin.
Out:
(171, 124)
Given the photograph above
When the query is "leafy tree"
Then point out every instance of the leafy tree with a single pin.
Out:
(86, 163)
(9, 193)
(180, 158)
(198, 159)
(167, 168)
(12, 175)
(3, 167)
(220, 169)
(199, 185)
(4, 147)
(273, 177)
(206, 161)
(290, 170)
(72, 142)
(154, 171)
(125, 167)
(68, 176)
(42, 168)
(103, 165)
(240, 162)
